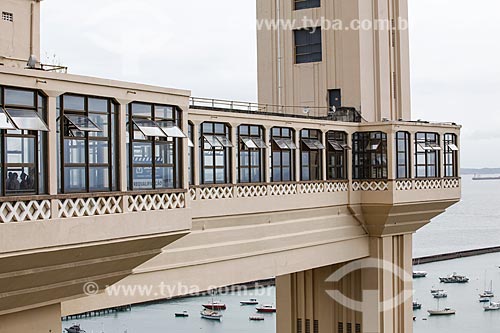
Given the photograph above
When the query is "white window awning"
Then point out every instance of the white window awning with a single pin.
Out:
(313, 144)
(190, 143)
(248, 142)
(259, 142)
(5, 122)
(149, 128)
(82, 123)
(335, 145)
(429, 146)
(281, 144)
(453, 147)
(374, 145)
(224, 141)
(28, 120)
(173, 131)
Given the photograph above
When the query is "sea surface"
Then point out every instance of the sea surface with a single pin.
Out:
(473, 223)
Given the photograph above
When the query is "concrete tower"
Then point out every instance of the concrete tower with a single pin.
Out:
(335, 53)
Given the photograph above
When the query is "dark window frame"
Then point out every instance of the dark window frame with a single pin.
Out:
(280, 133)
(450, 155)
(66, 134)
(336, 155)
(173, 145)
(403, 155)
(39, 164)
(310, 50)
(306, 4)
(246, 131)
(191, 154)
(369, 158)
(427, 150)
(314, 161)
(207, 151)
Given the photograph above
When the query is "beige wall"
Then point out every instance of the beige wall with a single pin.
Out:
(44, 319)
(371, 67)
(21, 38)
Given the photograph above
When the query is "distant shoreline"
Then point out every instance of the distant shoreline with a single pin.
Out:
(483, 171)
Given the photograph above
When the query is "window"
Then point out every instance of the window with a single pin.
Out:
(282, 154)
(337, 155)
(335, 99)
(450, 155)
(369, 155)
(427, 150)
(154, 146)
(252, 149)
(215, 153)
(6, 16)
(311, 152)
(22, 142)
(403, 155)
(308, 47)
(88, 160)
(304, 4)
(191, 153)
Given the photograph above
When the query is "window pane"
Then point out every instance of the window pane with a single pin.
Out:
(20, 180)
(142, 153)
(142, 178)
(19, 97)
(165, 153)
(5, 122)
(164, 112)
(277, 174)
(255, 175)
(98, 152)
(244, 158)
(208, 175)
(74, 151)
(98, 105)
(74, 179)
(99, 179)
(244, 175)
(208, 159)
(149, 128)
(220, 176)
(76, 103)
(287, 175)
(20, 150)
(276, 159)
(101, 120)
(165, 177)
(27, 120)
(143, 110)
(83, 123)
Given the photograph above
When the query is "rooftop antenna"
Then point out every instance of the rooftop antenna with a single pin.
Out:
(32, 61)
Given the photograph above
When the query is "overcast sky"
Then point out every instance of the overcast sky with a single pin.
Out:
(209, 47)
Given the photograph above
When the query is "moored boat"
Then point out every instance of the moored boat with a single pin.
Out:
(211, 315)
(256, 318)
(454, 278)
(417, 306)
(444, 312)
(214, 305)
(484, 299)
(74, 329)
(493, 306)
(266, 308)
(419, 274)
(182, 314)
(440, 294)
(251, 301)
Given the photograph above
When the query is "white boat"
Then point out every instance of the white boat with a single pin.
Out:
(256, 318)
(493, 306)
(454, 278)
(484, 299)
(443, 312)
(440, 294)
(419, 274)
(488, 293)
(266, 308)
(211, 315)
(251, 301)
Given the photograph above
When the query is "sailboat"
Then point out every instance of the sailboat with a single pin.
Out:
(493, 306)
(443, 312)
(488, 293)
(214, 305)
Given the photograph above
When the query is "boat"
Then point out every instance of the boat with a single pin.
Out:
(266, 308)
(182, 314)
(256, 318)
(439, 312)
(435, 290)
(440, 294)
(419, 274)
(484, 299)
(454, 278)
(444, 312)
(417, 306)
(251, 301)
(74, 329)
(210, 315)
(493, 306)
(488, 293)
(476, 177)
(214, 305)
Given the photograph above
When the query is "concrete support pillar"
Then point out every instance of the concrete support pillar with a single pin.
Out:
(46, 319)
(298, 166)
(197, 141)
(266, 164)
(324, 162)
(122, 145)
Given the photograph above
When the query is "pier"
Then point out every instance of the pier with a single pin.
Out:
(455, 255)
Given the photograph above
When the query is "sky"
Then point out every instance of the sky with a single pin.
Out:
(209, 47)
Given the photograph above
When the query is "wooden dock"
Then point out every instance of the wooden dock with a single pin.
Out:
(455, 255)
(97, 313)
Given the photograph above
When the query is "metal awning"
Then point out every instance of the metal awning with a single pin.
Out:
(336, 145)
(5, 122)
(83, 123)
(28, 120)
(173, 131)
(248, 142)
(149, 128)
(313, 144)
(453, 147)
